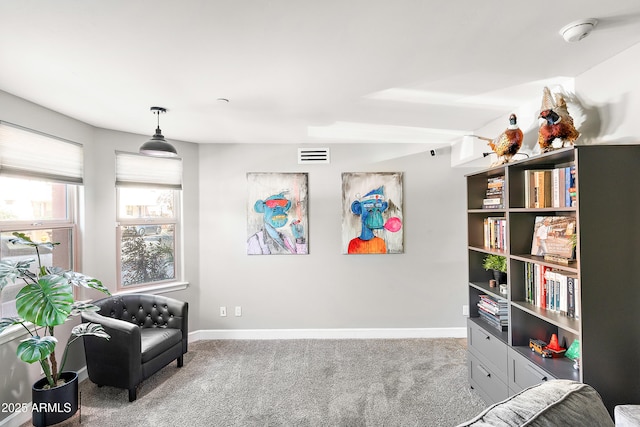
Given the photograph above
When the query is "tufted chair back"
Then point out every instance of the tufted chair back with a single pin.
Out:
(146, 311)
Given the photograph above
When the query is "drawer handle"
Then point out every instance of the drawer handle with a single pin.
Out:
(484, 371)
(487, 337)
(536, 373)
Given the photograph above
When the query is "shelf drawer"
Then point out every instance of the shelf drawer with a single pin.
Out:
(488, 348)
(523, 373)
(485, 381)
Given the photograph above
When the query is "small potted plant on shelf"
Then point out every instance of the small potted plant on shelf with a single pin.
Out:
(46, 301)
(498, 264)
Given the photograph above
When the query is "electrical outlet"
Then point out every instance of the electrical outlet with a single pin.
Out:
(223, 311)
(465, 310)
(238, 310)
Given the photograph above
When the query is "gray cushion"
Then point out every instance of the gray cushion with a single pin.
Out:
(550, 404)
(627, 415)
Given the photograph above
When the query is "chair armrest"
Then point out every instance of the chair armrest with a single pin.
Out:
(180, 320)
(110, 322)
(118, 357)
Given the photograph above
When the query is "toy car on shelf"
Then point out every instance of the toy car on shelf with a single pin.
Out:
(541, 347)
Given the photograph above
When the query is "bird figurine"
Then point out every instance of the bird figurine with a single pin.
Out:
(557, 124)
(507, 144)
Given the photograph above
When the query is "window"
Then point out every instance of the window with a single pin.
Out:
(39, 174)
(61, 257)
(148, 204)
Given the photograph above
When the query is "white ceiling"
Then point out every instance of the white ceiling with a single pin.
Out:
(299, 71)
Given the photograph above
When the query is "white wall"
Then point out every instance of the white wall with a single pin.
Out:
(610, 96)
(422, 288)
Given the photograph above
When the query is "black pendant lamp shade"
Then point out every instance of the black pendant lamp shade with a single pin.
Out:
(158, 146)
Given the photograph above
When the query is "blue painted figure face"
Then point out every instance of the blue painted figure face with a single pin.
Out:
(275, 210)
(372, 213)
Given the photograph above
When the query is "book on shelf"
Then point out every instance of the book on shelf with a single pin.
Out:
(542, 189)
(537, 190)
(557, 188)
(554, 235)
(573, 296)
(493, 311)
(551, 289)
(571, 186)
(495, 232)
(558, 259)
(550, 188)
(494, 196)
(492, 203)
(495, 181)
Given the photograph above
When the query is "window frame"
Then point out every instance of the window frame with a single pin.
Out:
(175, 220)
(69, 223)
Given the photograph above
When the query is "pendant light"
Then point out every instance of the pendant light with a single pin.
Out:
(157, 146)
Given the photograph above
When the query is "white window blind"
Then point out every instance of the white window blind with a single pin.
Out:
(145, 171)
(29, 153)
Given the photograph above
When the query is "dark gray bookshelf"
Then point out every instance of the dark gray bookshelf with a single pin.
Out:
(607, 255)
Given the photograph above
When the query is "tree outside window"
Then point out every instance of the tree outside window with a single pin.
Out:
(147, 241)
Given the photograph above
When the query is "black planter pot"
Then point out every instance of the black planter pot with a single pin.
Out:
(500, 276)
(56, 404)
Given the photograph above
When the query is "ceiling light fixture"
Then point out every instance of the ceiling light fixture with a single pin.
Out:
(578, 30)
(158, 146)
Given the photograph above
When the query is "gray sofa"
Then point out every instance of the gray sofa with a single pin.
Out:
(549, 404)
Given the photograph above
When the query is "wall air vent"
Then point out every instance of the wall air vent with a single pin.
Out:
(313, 155)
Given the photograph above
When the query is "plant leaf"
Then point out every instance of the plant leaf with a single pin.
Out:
(5, 322)
(11, 270)
(94, 329)
(23, 239)
(36, 348)
(47, 302)
(81, 306)
(79, 279)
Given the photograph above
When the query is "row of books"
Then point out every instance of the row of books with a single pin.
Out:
(550, 188)
(494, 312)
(495, 232)
(552, 289)
(494, 196)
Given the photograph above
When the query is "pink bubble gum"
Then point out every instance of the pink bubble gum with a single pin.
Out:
(393, 224)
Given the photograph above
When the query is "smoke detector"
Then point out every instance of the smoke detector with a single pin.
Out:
(578, 30)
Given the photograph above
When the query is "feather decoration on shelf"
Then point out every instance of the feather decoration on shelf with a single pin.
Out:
(557, 124)
(507, 144)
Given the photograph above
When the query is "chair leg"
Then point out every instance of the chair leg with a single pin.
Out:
(180, 361)
(132, 394)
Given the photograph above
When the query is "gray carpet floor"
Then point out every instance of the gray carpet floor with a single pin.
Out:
(399, 382)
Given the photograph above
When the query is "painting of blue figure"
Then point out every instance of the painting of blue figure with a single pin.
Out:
(277, 222)
(372, 213)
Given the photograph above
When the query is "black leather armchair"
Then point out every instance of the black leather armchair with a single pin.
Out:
(147, 333)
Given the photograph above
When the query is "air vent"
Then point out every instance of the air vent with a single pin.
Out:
(313, 155)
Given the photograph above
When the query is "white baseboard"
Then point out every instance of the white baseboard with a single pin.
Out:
(18, 418)
(354, 333)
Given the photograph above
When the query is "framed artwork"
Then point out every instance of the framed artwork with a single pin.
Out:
(372, 213)
(277, 222)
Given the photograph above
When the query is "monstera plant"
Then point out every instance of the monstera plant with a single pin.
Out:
(46, 301)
